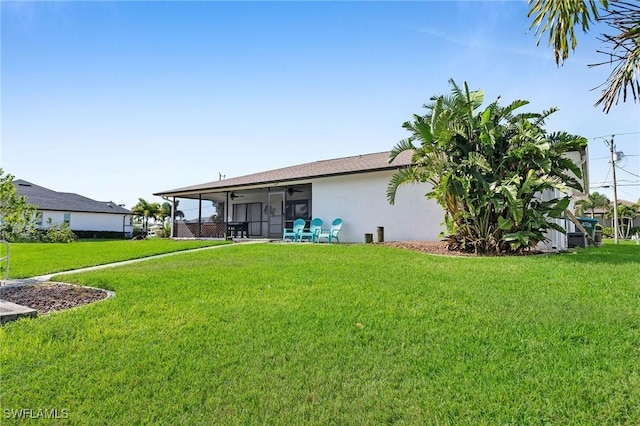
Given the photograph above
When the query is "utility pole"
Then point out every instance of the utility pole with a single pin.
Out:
(615, 189)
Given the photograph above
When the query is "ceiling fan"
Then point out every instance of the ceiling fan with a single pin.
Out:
(291, 190)
(233, 196)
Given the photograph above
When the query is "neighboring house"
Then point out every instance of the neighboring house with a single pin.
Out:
(351, 188)
(83, 214)
(605, 217)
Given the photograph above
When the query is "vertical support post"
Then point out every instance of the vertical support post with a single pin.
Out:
(615, 190)
(173, 217)
(226, 218)
(199, 215)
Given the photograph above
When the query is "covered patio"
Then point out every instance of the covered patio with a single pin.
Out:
(241, 212)
(261, 205)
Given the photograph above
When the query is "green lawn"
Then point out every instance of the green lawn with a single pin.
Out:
(342, 334)
(32, 259)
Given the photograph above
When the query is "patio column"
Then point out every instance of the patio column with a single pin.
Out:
(199, 215)
(173, 217)
(226, 215)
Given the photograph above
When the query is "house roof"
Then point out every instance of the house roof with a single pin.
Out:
(600, 210)
(47, 199)
(324, 168)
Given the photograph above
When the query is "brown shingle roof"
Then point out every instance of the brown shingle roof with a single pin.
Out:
(335, 167)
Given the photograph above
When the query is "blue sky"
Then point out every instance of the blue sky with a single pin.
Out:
(118, 100)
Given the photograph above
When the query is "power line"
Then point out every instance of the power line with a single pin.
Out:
(633, 174)
(617, 134)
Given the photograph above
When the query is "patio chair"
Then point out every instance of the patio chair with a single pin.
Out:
(313, 231)
(294, 233)
(331, 233)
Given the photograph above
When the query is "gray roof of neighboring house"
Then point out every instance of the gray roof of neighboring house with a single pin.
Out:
(600, 210)
(335, 167)
(46, 199)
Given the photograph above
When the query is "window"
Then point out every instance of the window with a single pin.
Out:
(297, 209)
(67, 218)
(38, 219)
(251, 213)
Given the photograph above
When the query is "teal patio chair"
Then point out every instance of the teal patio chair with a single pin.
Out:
(331, 233)
(313, 231)
(294, 233)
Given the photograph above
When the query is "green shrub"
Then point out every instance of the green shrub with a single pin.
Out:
(607, 231)
(59, 233)
(165, 232)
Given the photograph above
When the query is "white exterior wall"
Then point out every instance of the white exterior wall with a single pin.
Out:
(556, 240)
(361, 201)
(82, 221)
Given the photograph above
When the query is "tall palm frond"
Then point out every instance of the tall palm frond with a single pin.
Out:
(624, 53)
(559, 17)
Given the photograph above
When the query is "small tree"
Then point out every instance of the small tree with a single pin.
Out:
(626, 215)
(16, 214)
(164, 212)
(487, 168)
(594, 201)
(146, 211)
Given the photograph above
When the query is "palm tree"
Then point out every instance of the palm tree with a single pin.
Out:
(178, 213)
(165, 212)
(560, 17)
(486, 168)
(594, 201)
(146, 211)
(626, 214)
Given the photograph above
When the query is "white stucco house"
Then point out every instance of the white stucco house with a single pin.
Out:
(350, 188)
(558, 240)
(84, 215)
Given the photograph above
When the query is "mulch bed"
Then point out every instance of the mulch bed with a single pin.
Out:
(50, 297)
(440, 247)
(431, 247)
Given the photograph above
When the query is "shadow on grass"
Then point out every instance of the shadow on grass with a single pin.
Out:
(608, 253)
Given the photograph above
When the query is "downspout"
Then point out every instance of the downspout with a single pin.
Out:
(173, 210)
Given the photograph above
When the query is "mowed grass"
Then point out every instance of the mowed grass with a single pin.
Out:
(340, 334)
(32, 259)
